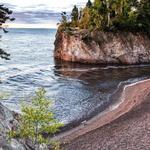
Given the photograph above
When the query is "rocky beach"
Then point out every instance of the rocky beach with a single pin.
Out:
(129, 132)
(120, 126)
(129, 98)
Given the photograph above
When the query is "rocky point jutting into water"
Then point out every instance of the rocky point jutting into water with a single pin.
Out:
(103, 47)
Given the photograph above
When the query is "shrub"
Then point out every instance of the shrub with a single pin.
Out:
(36, 121)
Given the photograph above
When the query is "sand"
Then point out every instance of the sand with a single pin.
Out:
(129, 132)
(125, 125)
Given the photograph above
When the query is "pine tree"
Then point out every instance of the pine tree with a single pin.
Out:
(89, 4)
(144, 15)
(36, 120)
(85, 18)
(4, 16)
(130, 15)
(75, 16)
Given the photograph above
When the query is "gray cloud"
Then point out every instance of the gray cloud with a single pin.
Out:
(10, 6)
(36, 17)
(36, 14)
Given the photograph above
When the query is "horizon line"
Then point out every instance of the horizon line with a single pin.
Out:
(28, 26)
(31, 28)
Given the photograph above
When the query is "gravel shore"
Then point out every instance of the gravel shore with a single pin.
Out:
(129, 132)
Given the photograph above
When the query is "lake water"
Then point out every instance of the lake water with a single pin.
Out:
(77, 91)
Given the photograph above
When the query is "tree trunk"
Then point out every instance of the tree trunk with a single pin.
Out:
(108, 13)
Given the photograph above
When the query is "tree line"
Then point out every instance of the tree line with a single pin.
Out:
(109, 15)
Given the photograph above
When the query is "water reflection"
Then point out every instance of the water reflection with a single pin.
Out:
(92, 85)
(100, 74)
(78, 90)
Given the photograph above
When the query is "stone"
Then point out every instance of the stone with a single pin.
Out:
(7, 121)
(103, 47)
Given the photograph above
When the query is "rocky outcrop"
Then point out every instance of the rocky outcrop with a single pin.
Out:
(103, 47)
(8, 121)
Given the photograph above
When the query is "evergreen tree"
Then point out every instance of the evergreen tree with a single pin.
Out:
(113, 15)
(144, 15)
(63, 18)
(96, 20)
(75, 16)
(97, 3)
(89, 4)
(36, 120)
(64, 24)
(4, 16)
(85, 18)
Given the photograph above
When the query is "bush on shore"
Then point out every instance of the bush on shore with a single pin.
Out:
(37, 122)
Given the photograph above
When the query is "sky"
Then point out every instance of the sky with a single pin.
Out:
(39, 13)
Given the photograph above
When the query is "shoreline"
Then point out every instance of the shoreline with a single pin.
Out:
(129, 98)
(129, 132)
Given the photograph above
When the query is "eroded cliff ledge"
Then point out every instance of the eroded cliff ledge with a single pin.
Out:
(103, 47)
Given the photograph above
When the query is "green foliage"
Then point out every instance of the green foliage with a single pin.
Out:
(95, 20)
(4, 16)
(85, 18)
(113, 15)
(97, 4)
(37, 120)
(55, 145)
(64, 23)
(89, 4)
(4, 95)
(75, 16)
(143, 17)
(64, 18)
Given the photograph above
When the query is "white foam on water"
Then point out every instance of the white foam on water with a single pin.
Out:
(124, 67)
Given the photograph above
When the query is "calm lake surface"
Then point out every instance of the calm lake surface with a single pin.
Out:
(76, 90)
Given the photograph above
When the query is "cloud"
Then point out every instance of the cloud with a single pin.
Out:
(36, 17)
(10, 6)
(40, 13)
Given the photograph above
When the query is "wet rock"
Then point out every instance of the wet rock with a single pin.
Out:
(103, 47)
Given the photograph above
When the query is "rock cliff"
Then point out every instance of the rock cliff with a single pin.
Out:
(8, 120)
(103, 47)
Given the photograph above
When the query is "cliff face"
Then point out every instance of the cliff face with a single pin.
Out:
(103, 47)
(8, 121)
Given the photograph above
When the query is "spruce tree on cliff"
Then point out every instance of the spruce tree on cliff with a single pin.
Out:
(75, 16)
(143, 18)
(4, 16)
(113, 15)
(89, 4)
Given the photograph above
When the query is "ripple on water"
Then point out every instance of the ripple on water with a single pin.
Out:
(77, 90)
